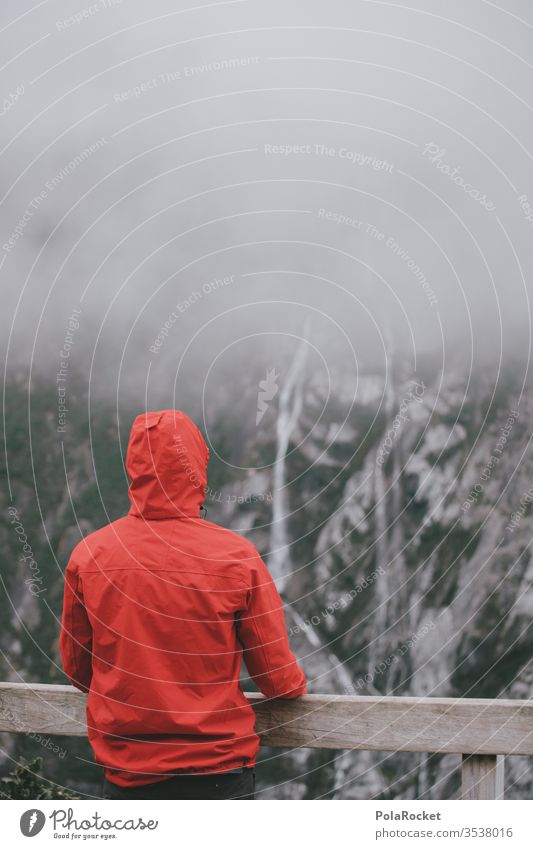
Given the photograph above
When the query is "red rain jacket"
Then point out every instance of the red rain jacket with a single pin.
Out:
(160, 607)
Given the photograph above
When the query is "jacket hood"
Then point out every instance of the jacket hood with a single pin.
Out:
(166, 461)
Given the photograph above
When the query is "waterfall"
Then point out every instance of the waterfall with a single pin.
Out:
(289, 409)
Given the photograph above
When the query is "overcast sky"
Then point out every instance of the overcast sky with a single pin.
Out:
(192, 181)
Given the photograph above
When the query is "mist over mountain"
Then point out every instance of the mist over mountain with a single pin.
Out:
(361, 160)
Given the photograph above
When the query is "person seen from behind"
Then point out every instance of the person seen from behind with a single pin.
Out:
(160, 608)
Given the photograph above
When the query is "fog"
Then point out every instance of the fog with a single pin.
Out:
(198, 181)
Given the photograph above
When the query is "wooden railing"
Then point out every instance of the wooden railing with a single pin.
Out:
(482, 731)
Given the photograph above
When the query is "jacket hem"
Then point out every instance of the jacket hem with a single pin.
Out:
(142, 779)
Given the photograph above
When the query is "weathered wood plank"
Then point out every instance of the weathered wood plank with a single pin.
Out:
(397, 724)
(482, 777)
(43, 708)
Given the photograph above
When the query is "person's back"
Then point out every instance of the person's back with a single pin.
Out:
(158, 609)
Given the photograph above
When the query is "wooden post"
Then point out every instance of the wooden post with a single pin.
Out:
(482, 777)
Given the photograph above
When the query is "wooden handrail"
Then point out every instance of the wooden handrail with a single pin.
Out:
(481, 730)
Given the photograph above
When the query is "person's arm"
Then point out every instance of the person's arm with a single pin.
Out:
(263, 635)
(75, 640)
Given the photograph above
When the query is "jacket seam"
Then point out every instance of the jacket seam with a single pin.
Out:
(73, 644)
(173, 571)
(255, 626)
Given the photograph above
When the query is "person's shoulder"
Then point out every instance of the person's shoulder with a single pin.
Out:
(86, 548)
(232, 541)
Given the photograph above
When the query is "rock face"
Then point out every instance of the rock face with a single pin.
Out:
(409, 569)
(401, 546)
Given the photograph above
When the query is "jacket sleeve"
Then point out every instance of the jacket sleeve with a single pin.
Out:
(263, 635)
(75, 640)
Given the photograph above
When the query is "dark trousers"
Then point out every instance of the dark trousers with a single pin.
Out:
(220, 785)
